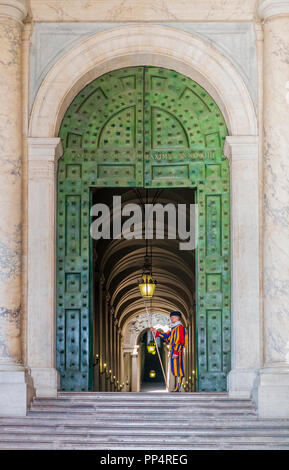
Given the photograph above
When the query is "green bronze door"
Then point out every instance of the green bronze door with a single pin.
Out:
(150, 127)
(184, 138)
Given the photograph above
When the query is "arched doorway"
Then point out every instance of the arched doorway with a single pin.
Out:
(154, 128)
(151, 375)
(134, 330)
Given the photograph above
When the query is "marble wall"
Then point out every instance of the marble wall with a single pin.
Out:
(140, 10)
(276, 190)
(236, 41)
(10, 197)
(226, 27)
(16, 387)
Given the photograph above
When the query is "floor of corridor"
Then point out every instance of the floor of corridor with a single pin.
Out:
(153, 387)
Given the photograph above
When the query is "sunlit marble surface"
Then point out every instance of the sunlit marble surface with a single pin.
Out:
(139, 10)
(10, 191)
(276, 190)
(236, 41)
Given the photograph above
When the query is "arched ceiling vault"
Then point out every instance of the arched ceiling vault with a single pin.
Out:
(120, 263)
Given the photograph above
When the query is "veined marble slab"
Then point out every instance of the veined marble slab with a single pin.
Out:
(236, 41)
(140, 10)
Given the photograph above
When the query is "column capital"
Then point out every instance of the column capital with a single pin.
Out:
(259, 31)
(241, 147)
(27, 32)
(44, 149)
(13, 9)
(269, 8)
(135, 351)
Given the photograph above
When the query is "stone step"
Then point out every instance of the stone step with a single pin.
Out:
(133, 403)
(93, 420)
(40, 445)
(143, 397)
(143, 394)
(145, 438)
(188, 407)
(237, 422)
(144, 409)
(154, 402)
(136, 413)
(134, 416)
(146, 396)
(144, 430)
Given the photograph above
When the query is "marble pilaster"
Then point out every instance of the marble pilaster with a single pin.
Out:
(41, 329)
(272, 391)
(242, 152)
(16, 388)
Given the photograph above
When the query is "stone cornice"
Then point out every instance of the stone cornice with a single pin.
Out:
(269, 8)
(13, 9)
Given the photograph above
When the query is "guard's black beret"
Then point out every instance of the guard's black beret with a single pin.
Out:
(177, 314)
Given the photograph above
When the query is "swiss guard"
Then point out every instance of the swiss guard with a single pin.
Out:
(177, 339)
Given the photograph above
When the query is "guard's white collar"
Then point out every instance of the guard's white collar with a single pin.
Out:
(176, 323)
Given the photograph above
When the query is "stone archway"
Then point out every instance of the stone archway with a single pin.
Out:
(132, 330)
(164, 47)
(157, 45)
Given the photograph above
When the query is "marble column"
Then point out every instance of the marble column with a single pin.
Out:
(119, 359)
(189, 366)
(126, 370)
(16, 386)
(135, 382)
(107, 350)
(115, 349)
(114, 325)
(273, 380)
(43, 154)
(111, 346)
(96, 340)
(101, 326)
(242, 152)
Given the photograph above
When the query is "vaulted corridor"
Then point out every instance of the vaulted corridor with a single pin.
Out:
(120, 319)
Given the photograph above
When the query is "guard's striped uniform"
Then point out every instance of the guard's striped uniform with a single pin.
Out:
(177, 338)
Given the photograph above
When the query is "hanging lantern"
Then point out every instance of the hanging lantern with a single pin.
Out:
(152, 374)
(151, 347)
(147, 286)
